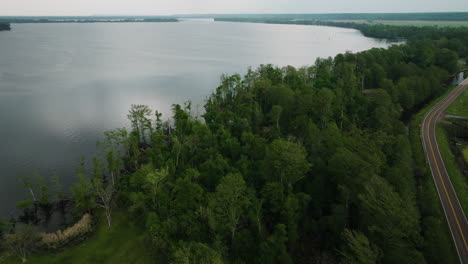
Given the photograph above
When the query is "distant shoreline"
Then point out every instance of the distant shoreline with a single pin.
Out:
(24, 20)
(415, 17)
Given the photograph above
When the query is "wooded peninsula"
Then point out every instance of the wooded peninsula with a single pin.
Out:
(4, 26)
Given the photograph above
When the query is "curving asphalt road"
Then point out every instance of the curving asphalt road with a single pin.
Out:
(453, 211)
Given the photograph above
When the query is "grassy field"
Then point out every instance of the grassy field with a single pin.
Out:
(460, 106)
(123, 243)
(458, 180)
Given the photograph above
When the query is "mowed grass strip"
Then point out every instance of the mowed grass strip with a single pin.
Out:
(456, 177)
(122, 243)
(465, 154)
(460, 106)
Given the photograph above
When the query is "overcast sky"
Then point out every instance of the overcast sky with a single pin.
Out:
(168, 7)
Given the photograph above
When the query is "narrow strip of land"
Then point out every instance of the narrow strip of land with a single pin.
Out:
(453, 211)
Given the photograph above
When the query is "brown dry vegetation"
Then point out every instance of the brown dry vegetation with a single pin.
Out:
(59, 238)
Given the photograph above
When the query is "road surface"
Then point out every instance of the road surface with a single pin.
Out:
(453, 211)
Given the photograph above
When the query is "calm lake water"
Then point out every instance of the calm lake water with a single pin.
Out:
(62, 85)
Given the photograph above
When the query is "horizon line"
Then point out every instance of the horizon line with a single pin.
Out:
(246, 13)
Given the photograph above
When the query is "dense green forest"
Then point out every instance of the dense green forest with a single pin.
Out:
(4, 26)
(390, 32)
(286, 165)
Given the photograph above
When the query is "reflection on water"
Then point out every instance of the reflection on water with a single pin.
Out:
(62, 85)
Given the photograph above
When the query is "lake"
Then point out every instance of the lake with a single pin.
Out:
(63, 85)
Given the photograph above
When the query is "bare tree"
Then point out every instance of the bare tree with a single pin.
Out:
(105, 199)
(104, 191)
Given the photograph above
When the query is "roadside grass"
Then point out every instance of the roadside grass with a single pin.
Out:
(436, 233)
(123, 243)
(456, 177)
(460, 106)
(465, 153)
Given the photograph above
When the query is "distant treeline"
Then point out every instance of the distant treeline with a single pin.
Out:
(406, 32)
(456, 16)
(85, 19)
(369, 30)
(4, 26)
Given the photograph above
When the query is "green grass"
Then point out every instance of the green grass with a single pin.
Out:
(123, 243)
(456, 177)
(460, 106)
(465, 153)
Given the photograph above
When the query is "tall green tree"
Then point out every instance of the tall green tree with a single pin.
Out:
(286, 163)
(230, 202)
(140, 118)
(82, 191)
(195, 252)
(154, 182)
(394, 223)
(273, 249)
(357, 249)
